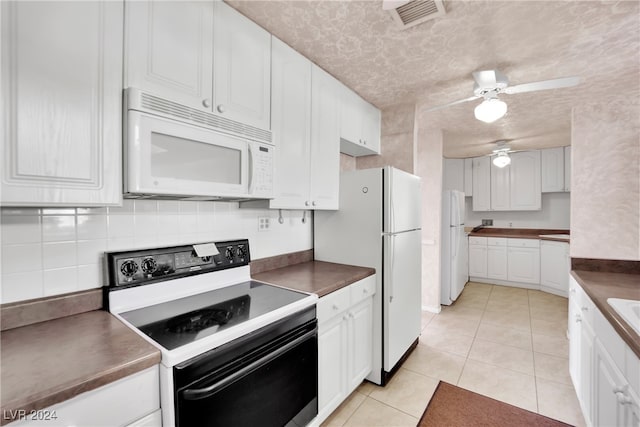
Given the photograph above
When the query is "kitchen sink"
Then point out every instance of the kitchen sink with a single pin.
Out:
(629, 310)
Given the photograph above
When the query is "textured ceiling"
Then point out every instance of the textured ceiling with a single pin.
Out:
(431, 64)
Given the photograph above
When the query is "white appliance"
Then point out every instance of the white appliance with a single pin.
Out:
(453, 243)
(379, 225)
(174, 151)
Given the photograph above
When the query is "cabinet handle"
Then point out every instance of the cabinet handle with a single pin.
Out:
(585, 309)
(313, 203)
(351, 315)
(364, 141)
(617, 389)
(578, 319)
(306, 203)
(623, 398)
(335, 307)
(365, 291)
(345, 317)
(206, 102)
(221, 108)
(573, 290)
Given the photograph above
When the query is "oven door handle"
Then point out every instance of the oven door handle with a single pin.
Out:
(203, 393)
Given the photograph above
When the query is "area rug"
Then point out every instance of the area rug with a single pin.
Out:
(454, 406)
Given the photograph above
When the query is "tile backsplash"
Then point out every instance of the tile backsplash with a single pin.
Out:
(54, 251)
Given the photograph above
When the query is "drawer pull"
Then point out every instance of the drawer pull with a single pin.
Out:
(365, 291)
(335, 307)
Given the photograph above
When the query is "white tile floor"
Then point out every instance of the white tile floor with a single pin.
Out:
(506, 343)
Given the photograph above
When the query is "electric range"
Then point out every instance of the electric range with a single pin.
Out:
(198, 305)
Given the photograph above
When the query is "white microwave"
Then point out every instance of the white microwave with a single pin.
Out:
(171, 152)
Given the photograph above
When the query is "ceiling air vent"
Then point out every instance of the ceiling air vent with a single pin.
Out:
(409, 13)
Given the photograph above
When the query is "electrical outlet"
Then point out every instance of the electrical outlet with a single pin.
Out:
(487, 222)
(264, 223)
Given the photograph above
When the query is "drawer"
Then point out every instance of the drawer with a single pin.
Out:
(496, 241)
(333, 304)
(363, 289)
(523, 243)
(587, 307)
(632, 369)
(477, 241)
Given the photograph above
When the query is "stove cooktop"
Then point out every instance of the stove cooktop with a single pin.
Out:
(179, 322)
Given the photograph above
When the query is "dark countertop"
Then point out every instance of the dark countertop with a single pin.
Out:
(316, 277)
(599, 286)
(50, 362)
(521, 233)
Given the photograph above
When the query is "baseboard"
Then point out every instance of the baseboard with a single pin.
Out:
(430, 309)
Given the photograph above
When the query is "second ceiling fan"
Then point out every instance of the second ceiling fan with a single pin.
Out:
(491, 83)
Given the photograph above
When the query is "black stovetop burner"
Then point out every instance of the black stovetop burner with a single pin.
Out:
(219, 314)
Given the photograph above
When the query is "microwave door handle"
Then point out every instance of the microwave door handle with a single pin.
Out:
(250, 151)
(203, 393)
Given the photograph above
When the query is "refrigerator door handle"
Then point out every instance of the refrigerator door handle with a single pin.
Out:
(454, 241)
(393, 258)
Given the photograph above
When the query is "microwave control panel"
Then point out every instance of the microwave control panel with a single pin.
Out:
(262, 184)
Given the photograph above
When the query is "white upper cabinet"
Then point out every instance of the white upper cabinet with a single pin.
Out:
(567, 168)
(325, 140)
(453, 178)
(203, 54)
(500, 187)
(481, 184)
(306, 132)
(241, 68)
(62, 101)
(359, 125)
(168, 49)
(552, 169)
(524, 179)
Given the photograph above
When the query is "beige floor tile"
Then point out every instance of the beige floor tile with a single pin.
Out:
(374, 413)
(426, 318)
(555, 346)
(435, 364)
(517, 310)
(508, 320)
(553, 327)
(345, 410)
(449, 342)
(509, 290)
(508, 386)
(477, 301)
(544, 298)
(503, 335)
(503, 356)
(510, 300)
(552, 368)
(366, 387)
(453, 325)
(547, 312)
(479, 286)
(559, 401)
(461, 312)
(407, 391)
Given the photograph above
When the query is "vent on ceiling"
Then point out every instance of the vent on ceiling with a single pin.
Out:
(409, 13)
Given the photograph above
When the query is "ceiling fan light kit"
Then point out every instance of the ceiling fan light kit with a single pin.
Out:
(490, 110)
(502, 159)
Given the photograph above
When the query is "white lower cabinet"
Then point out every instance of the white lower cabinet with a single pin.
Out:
(497, 258)
(130, 401)
(477, 257)
(345, 343)
(603, 368)
(554, 267)
(523, 257)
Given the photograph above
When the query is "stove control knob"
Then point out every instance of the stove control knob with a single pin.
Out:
(229, 253)
(149, 265)
(129, 268)
(240, 252)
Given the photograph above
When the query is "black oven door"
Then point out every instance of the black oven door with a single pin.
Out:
(268, 378)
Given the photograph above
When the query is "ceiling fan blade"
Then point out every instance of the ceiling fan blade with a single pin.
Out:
(490, 78)
(543, 85)
(440, 107)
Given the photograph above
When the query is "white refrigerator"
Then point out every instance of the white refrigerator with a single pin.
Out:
(453, 243)
(378, 225)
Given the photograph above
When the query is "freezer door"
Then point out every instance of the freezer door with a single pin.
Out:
(458, 266)
(402, 201)
(402, 294)
(456, 207)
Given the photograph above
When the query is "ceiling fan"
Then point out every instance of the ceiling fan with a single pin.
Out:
(501, 153)
(491, 83)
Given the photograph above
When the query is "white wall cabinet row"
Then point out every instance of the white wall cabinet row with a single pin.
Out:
(604, 370)
(556, 169)
(359, 125)
(345, 343)
(133, 401)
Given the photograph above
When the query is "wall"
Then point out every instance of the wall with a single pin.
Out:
(605, 180)
(55, 251)
(396, 143)
(429, 168)
(555, 213)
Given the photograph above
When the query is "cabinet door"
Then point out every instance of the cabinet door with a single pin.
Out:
(241, 68)
(325, 140)
(370, 127)
(361, 341)
(350, 116)
(567, 168)
(497, 262)
(62, 100)
(500, 194)
(554, 268)
(552, 170)
(482, 184)
(574, 326)
(291, 114)
(525, 192)
(586, 366)
(609, 383)
(468, 177)
(477, 261)
(169, 47)
(453, 178)
(523, 265)
(332, 364)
